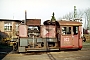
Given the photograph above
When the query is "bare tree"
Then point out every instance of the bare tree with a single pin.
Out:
(87, 13)
(68, 16)
(80, 14)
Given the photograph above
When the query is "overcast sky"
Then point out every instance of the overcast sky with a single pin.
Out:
(39, 9)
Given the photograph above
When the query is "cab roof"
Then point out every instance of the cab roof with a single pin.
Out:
(69, 23)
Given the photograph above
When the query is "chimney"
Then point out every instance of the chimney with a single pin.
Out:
(25, 16)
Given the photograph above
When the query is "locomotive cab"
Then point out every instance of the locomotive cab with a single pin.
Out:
(70, 33)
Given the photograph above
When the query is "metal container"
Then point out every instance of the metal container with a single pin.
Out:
(48, 31)
(23, 42)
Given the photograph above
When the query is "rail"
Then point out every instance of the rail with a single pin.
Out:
(50, 56)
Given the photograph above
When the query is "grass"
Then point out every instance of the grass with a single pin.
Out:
(88, 41)
(86, 44)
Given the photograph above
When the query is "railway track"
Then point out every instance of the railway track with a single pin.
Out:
(50, 56)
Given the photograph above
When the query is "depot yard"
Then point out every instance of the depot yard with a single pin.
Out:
(83, 54)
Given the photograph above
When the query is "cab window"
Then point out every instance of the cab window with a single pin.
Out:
(66, 30)
(75, 30)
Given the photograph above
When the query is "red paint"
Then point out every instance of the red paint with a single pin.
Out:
(66, 46)
(48, 31)
(80, 46)
(48, 34)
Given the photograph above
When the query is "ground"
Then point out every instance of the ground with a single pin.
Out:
(83, 54)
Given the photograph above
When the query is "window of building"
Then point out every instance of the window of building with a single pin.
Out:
(7, 26)
(66, 30)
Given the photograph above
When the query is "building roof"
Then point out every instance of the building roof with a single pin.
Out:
(10, 20)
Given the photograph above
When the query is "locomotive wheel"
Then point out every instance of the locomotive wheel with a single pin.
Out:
(15, 47)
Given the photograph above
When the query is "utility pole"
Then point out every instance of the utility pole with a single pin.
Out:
(75, 12)
(13, 15)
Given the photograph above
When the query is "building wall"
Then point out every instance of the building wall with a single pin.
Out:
(14, 29)
(12, 33)
(2, 26)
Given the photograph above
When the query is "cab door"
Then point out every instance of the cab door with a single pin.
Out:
(75, 36)
(66, 37)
